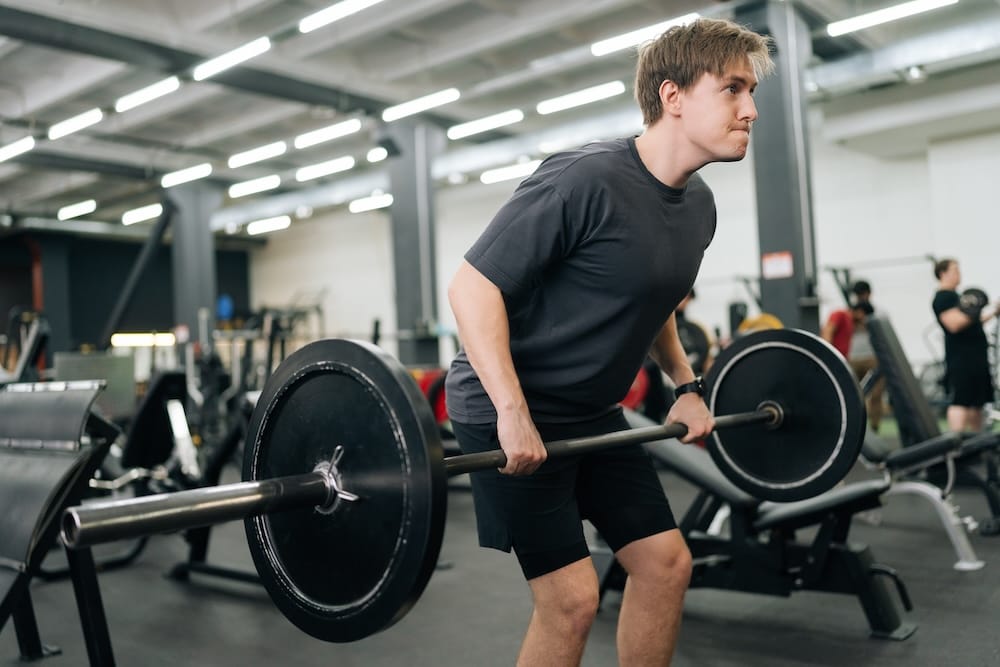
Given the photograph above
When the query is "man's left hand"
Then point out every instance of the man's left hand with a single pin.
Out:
(691, 411)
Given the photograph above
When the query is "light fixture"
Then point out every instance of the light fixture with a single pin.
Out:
(375, 201)
(916, 74)
(420, 104)
(580, 97)
(636, 37)
(254, 186)
(143, 340)
(268, 225)
(76, 210)
(258, 154)
(457, 178)
(147, 94)
(502, 119)
(142, 214)
(22, 145)
(333, 13)
(324, 168)
(519, 170)
(327, 133)
(885, 15)
(186, 175)
(75, 124)
(230, 59)
(377, 154)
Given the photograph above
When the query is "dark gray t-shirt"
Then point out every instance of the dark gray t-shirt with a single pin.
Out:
(592, 253)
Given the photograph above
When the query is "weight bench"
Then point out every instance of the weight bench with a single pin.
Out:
(50, 446)
(761, 553)
(973, 463)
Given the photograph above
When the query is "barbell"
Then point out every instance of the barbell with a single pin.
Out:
(344, 501)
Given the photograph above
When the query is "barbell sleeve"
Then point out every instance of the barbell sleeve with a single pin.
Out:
(463, 463)
(100, 522)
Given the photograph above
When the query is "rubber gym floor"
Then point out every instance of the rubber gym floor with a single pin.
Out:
(476, 606)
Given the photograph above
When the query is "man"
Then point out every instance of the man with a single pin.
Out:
(967, 367)
(846, 330)
(557, 305)
(841, 325)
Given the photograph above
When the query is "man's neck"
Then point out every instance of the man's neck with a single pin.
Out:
(665, 156)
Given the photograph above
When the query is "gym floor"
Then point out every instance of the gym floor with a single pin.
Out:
(476, 606)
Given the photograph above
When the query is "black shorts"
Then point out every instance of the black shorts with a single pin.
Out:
(540, 515)
(969, 386)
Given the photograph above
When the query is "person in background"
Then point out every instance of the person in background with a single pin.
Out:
(966, 350)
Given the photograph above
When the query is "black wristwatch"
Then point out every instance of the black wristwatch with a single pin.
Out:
(698, 387)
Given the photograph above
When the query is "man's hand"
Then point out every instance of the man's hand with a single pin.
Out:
(691, 411)
(520, 441)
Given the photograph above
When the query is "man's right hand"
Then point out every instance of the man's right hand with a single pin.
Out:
(521, 443)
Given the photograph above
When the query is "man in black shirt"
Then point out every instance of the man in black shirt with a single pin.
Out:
(967, 368)
(559, 301)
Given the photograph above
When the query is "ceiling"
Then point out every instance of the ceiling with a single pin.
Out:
(60, 58)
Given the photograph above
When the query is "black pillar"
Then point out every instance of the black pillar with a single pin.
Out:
(781, 170)
(55, 257)
(413, 238)
(193, 254)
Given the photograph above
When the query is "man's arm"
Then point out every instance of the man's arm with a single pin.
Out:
(689, 409)
(829, 330)
(484, 330)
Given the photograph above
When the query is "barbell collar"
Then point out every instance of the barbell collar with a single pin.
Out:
(769, 414)
(101, 522)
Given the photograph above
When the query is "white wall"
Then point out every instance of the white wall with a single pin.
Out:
(866, 210)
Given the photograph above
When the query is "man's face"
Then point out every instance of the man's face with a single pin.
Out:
(718, 111)
(952, 277)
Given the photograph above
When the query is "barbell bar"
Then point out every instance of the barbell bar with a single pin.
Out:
(102, 522)
(346, 548)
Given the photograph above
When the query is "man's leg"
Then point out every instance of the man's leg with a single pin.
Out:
(957, 418)
(565, 605)
(659, 571)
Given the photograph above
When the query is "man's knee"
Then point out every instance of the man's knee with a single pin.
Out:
(567, 598)
(663, 560)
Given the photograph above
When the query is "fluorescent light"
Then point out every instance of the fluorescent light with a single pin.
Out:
(636, 37)
(75, 124)
(880, 16)
(324, 168)
(230, 59)
(147, 94)
(420, 104)
(334, 13)
(501, 119)
(142, 340)
(511, 172)
(254, 186)
(377, 154)
(22, 145)
(186, 175)
(327, 133)
(141, 214)
(376, 201)
(268, 225)
(580, 97)
(257, 154)
(77, 209)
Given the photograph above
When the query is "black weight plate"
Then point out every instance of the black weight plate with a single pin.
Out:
(824, 416)
(348, 574)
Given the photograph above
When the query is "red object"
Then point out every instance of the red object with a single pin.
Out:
(431, 383)
(637, 392)
(843, 329)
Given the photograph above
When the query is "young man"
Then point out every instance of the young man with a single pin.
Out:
(841, 325)
(967, 367)
(571, 285)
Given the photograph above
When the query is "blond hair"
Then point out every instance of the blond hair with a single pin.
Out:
(685, 52)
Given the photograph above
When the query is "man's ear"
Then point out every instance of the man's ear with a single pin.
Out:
(670, 97)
